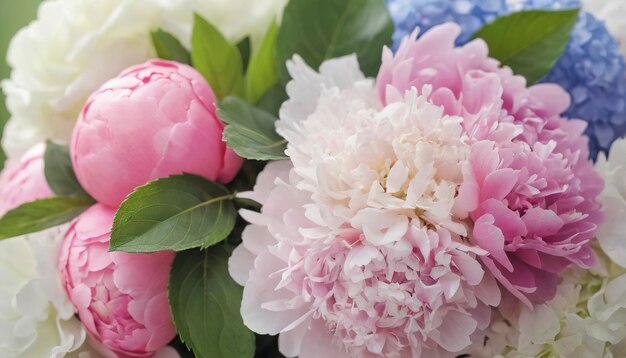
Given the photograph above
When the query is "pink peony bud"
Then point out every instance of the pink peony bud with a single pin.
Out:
(23, 180)
(152, 121)
(121, 298)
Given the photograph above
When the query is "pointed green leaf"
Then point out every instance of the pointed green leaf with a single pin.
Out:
(205, 304)
(175, 213)
(169, 48)
(40, 215)
(244, 50)
(530, 42)
(318, 30)
(60, 173)
(250, 131)
(261, 74)
(216, 59)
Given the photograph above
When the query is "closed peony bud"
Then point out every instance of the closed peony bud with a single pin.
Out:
(154, 120)
(121, 298)
(23, 180)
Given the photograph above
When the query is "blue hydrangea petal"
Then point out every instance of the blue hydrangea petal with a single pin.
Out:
(593, 71)
(471, 15)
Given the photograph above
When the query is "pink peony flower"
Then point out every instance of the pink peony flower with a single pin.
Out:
(121, 298)
(527, 186)
(154, 120)
(23, 180)
(422, 295)
(356, 251)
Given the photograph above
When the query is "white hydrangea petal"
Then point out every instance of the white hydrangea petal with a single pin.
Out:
(612, 233)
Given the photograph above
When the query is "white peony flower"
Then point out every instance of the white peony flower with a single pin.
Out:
(612, 12)
(36, 317)
(75, 45)
(236, 19)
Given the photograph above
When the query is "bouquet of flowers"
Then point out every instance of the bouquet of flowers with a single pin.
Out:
(315, 178)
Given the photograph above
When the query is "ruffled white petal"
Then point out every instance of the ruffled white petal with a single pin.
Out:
(36, 316)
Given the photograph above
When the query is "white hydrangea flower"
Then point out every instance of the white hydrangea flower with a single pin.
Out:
(612, 12)
(560, 328)
(75, 45)
(586, 318)
(36, 317)
(612, 234)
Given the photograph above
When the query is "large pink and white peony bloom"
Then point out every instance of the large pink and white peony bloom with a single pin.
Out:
(527, 185)
(357, 251)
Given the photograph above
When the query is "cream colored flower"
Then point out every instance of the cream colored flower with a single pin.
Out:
(36, 317)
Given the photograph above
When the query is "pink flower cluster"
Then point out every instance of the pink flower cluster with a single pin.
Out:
(528, 186)
(154, 120)
(368, 241)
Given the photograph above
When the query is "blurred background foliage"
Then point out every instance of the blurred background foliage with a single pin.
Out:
(14, 14)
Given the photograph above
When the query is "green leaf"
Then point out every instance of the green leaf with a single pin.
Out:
(250, 131)
(175, 213)
(530, 42)
(244, 50)
(60, 173)
(261, 74)
(205, 304)
(216, 59)
(321, 29)
(40, 215)
(169, 48)
(273, 99)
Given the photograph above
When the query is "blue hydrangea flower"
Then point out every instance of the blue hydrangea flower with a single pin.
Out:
(592, 68)
(593, 71)
(471, 15)
(516, 5)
